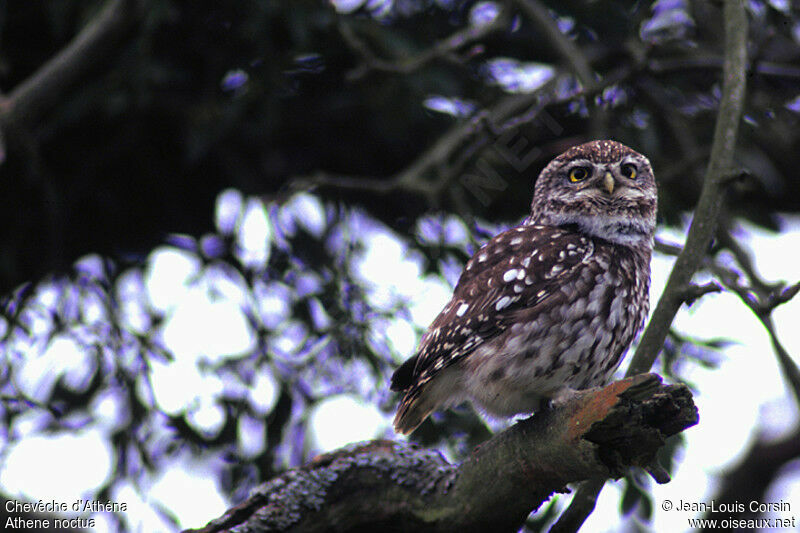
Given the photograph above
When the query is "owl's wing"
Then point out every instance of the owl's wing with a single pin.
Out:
(513, 273)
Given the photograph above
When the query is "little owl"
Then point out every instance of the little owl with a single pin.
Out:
(548, 306)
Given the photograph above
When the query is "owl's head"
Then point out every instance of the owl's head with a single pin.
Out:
(604, 187)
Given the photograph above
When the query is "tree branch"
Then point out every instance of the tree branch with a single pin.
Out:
(44, 88)
(704, 224)
(709, 206)
(507, 114)
(440, 50)
(391, 486)
(570, 53)
(744, 260)
(764, 68)
(762, 303)
(760, 296)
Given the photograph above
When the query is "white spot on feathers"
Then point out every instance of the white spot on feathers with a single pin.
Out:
(502, 303)
(462, 309)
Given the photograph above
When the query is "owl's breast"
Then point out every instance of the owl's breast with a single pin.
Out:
(575, 339)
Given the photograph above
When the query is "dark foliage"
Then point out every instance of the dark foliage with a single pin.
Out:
(251, 94)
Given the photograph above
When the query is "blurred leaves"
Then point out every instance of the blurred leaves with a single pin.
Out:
(94, 335)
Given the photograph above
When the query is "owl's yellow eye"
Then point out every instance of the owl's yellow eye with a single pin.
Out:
(578, 174)
(628, 170)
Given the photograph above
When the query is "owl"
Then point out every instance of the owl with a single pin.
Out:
(549, 306)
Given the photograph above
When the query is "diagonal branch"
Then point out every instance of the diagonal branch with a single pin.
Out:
(387, 486)
(507, 114)
(760, 296)
(704, 223)
(751, 478)
(504, 116)
(44, 88)
(763, 68)
(709, 207)
(762, 303)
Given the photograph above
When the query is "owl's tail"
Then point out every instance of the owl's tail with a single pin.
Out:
(413, 410)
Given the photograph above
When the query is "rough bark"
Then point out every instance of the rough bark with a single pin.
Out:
(389, 486)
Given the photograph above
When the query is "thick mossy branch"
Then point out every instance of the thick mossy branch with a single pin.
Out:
(388, 486)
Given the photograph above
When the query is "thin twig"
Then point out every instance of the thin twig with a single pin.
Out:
(764, 68)
(566, 49)
(692, 292)
(667, 248)
(760, 296)
(582, 505)
(762, 304)
(727, 241)
(788, 365)
(443, 49)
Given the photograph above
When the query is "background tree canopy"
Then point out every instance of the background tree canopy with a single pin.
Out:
(200, 201)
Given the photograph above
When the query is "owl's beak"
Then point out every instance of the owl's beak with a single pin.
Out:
(608, 182)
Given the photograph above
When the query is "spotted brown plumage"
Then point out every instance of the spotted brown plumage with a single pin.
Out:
(547, 306)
